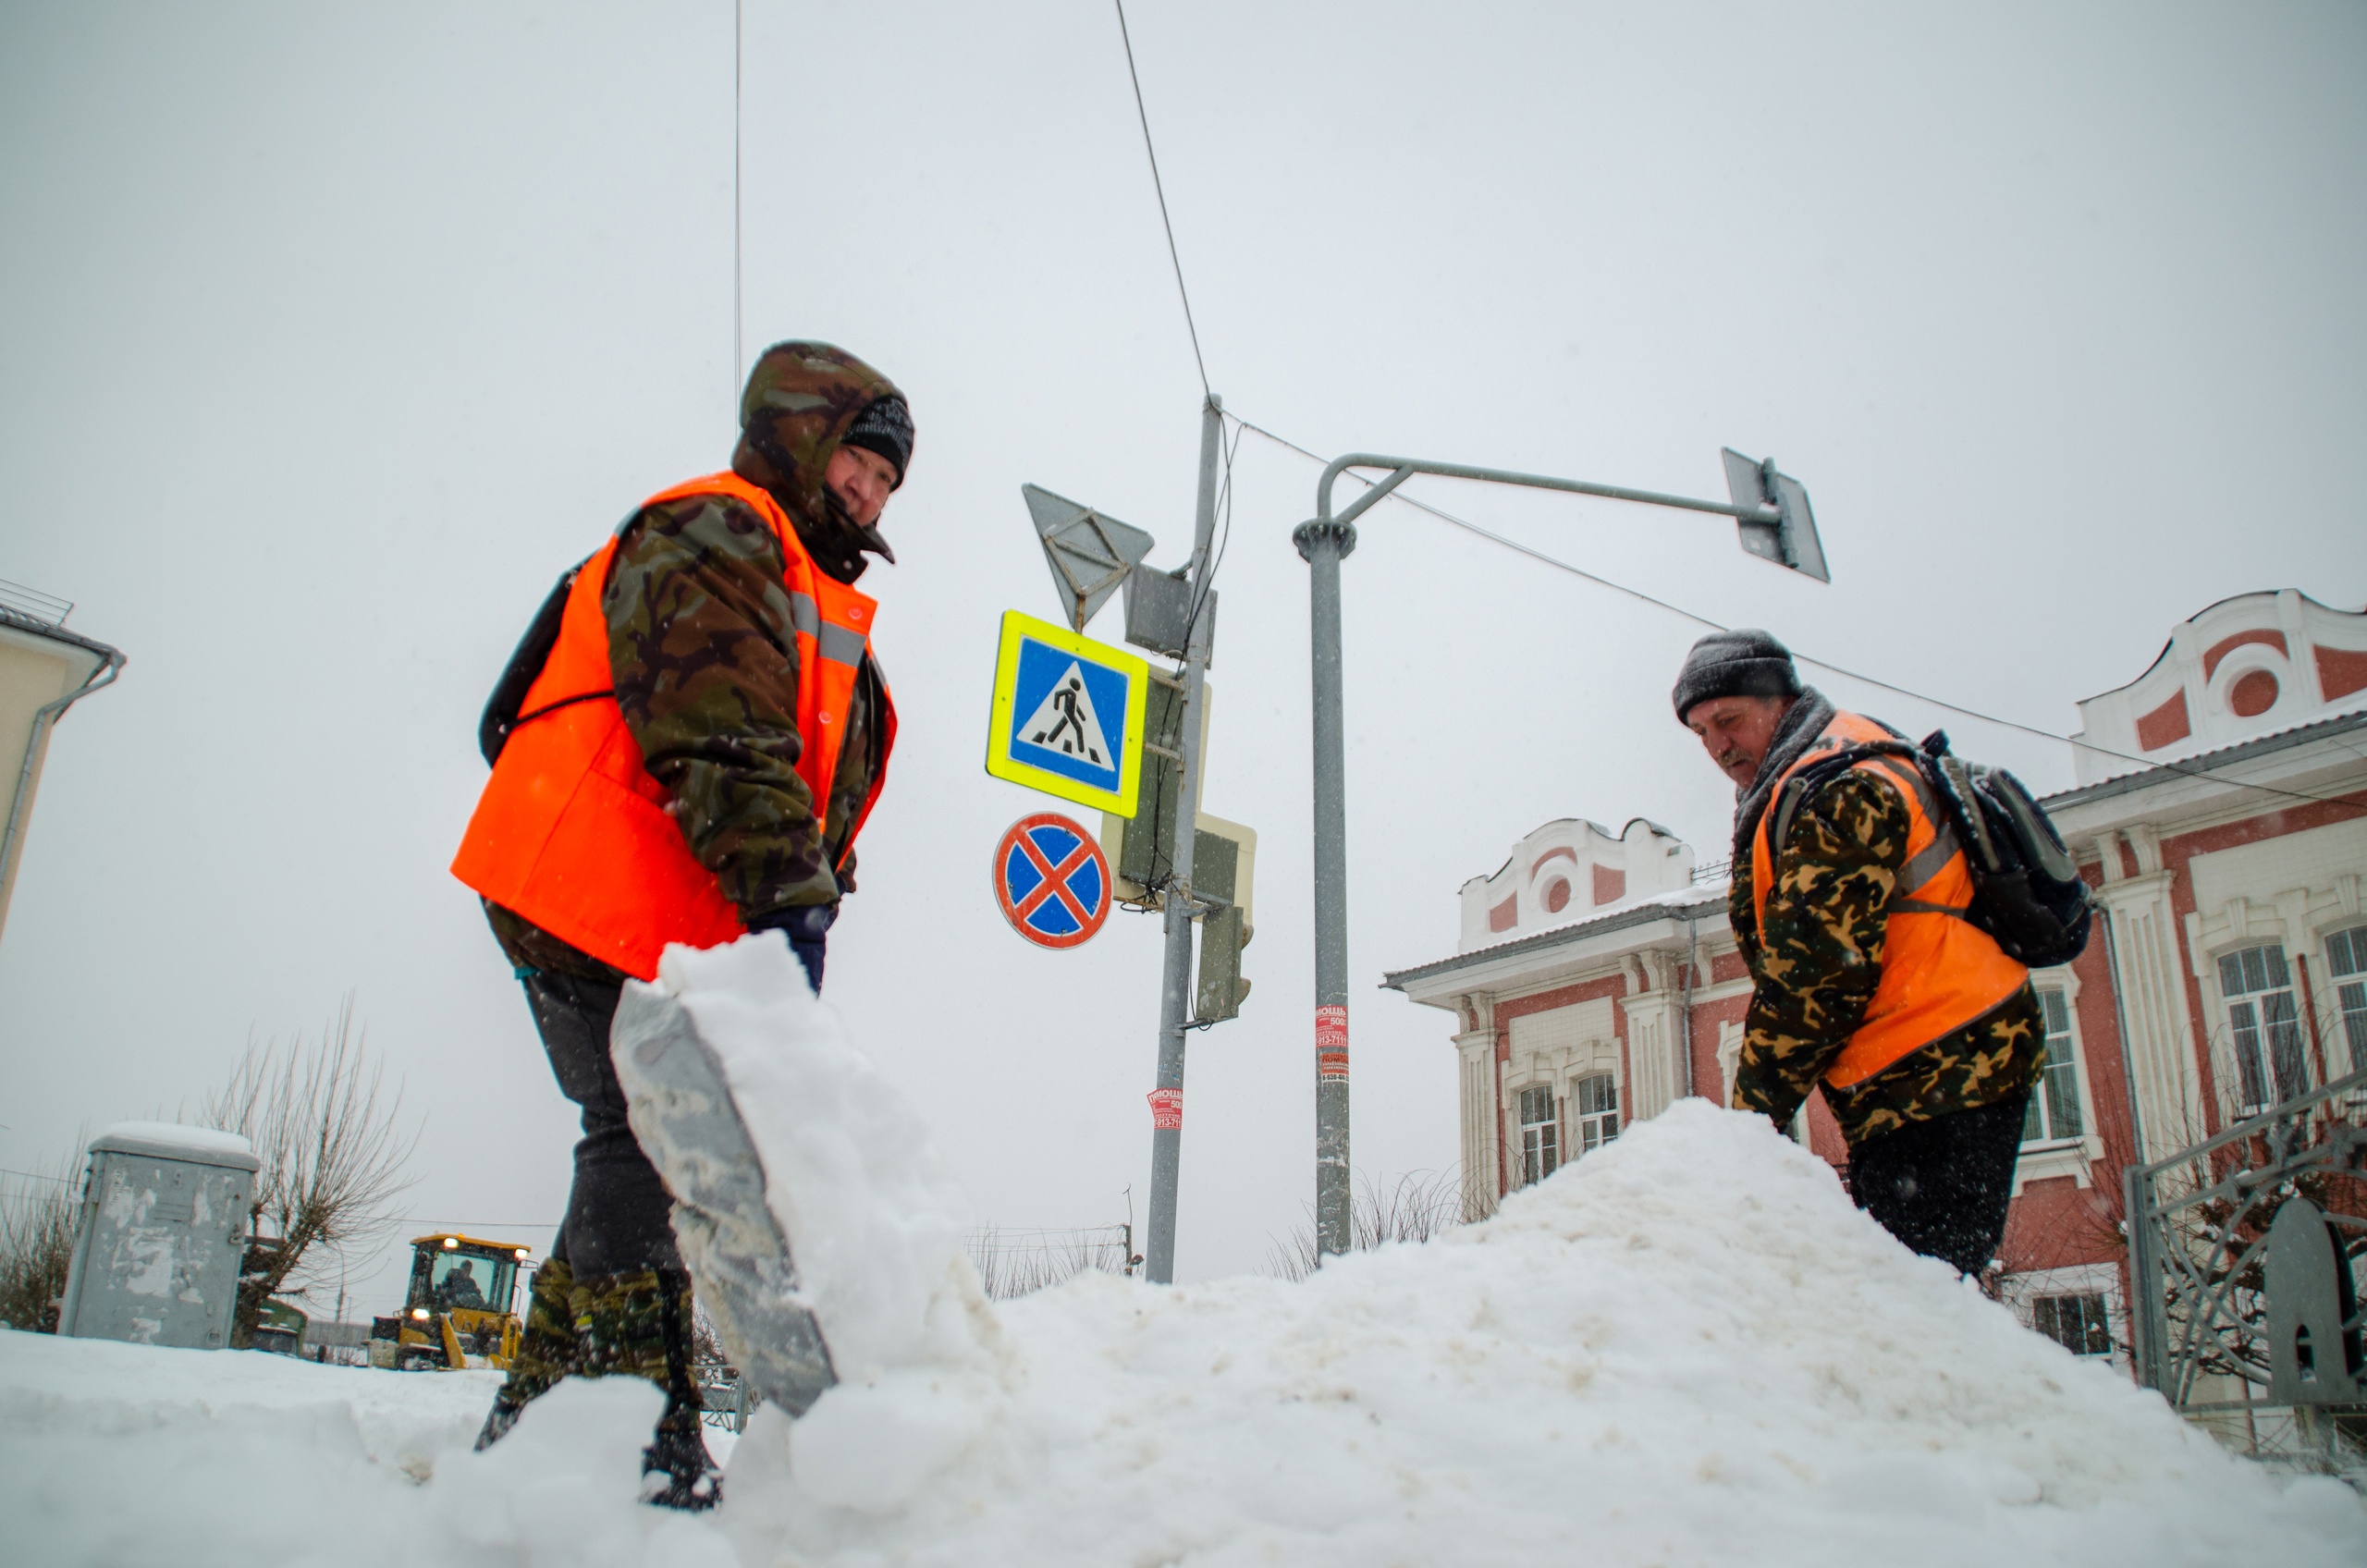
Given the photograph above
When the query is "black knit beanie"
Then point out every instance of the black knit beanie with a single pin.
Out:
(886, 427)
(1734, 664)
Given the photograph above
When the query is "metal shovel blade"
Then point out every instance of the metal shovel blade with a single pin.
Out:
(679, 1104)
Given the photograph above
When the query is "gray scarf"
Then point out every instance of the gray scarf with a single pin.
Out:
(1803, 722)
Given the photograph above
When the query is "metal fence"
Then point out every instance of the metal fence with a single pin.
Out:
(1014, 1262)
(2243, 1258)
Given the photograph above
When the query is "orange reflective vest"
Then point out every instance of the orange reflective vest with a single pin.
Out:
(1940, 972)
(572, 831)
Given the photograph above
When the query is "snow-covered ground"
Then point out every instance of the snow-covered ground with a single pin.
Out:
(1687, 1349)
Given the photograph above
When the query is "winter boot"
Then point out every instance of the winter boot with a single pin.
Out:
(681, 1106)
(638, 1325)
(677, 1471)
(546, 1349)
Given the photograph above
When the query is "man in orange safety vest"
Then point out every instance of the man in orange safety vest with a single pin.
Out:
(684, 750)
(1849, 904)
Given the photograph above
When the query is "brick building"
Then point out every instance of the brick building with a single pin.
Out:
(2220, 811)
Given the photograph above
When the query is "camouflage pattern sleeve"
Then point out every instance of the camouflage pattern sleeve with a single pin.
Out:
(1821, 952)
(704, 659)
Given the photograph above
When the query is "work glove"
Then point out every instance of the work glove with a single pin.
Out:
(807, 927)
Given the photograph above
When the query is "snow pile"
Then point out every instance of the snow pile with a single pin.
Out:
(1686, 1348)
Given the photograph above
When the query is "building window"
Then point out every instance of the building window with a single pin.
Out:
(1597, 1101)
(1541, 1138)
(2264, 1026)
(2055, 1109)
(2075, 1322)
(2346, 957)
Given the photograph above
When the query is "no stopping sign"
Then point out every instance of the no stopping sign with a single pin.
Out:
(1051, 880)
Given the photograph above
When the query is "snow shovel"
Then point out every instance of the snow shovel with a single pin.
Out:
(681, 1107)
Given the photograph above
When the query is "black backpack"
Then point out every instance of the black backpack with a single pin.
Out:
(2026, 892)
(525, 666)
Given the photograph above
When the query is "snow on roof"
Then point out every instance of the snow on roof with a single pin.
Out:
(1636, 909)
(170, 1140)
(2144, 775)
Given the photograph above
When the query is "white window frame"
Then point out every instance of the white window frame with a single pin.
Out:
(1579, 1118)
(2335, 1019)
(2039, 1097)
(2020, 1293)
(1548, 1142)
(2266, 1045)
(2073, 1157)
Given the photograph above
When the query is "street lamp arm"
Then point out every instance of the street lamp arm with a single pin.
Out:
(1407, 467)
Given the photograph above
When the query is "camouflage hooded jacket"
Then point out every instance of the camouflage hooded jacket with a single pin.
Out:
(1820, 958)
(705, 657)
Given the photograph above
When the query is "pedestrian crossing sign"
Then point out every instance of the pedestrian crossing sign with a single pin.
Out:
(1067, 714)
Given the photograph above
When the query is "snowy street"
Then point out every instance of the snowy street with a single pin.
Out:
(1624, 1365)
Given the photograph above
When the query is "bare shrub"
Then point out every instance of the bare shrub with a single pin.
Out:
(1417, 1206)
(39, 1213)
(333, 1156)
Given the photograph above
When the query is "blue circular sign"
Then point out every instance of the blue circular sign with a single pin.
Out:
(1051, 880)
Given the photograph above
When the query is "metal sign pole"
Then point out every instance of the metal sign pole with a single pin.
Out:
(1772, 513)
(1323, 544)
(1175, 989)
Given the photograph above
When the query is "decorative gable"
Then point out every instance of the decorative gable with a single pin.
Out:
(1569, 870)
(2245, 667)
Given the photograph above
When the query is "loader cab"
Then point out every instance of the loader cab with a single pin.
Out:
(459, 1309)
(454, 1271)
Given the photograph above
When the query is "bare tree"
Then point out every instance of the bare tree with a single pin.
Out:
(38, 1216)
(1418, 1206)
(332, 1155)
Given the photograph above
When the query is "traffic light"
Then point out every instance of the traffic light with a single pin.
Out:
(1224, 862)
(1223, 933)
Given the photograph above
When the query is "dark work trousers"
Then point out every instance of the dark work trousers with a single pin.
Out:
(1942, 1185)
(617, 1213)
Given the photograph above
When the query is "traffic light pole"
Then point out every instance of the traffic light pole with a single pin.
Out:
(1786, 533)
(1175, 992)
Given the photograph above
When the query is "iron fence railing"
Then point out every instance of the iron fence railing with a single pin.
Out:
(2246, 1319)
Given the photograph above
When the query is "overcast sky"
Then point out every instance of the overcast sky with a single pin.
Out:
(329, 337)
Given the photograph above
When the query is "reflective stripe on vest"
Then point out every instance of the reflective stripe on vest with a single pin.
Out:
(1939, 971)
(573, 834)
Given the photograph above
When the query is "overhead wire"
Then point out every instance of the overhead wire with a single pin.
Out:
(1698, 619)
(1176, 259)
(1160, 186)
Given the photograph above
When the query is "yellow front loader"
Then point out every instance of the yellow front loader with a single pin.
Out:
(460, 1310)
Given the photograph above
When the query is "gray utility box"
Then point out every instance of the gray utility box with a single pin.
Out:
(164, 1229)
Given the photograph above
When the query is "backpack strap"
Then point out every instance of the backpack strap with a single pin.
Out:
(1890, 754)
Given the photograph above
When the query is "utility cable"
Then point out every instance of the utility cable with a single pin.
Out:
(1698, 619)
(1156, 185)
(37, 1176)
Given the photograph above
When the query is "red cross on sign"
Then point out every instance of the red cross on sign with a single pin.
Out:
(1051, 880)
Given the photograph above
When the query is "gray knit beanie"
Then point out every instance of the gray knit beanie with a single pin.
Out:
(1744, 663)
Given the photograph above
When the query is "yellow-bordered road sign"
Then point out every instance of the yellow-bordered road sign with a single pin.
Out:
(1067, 714)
